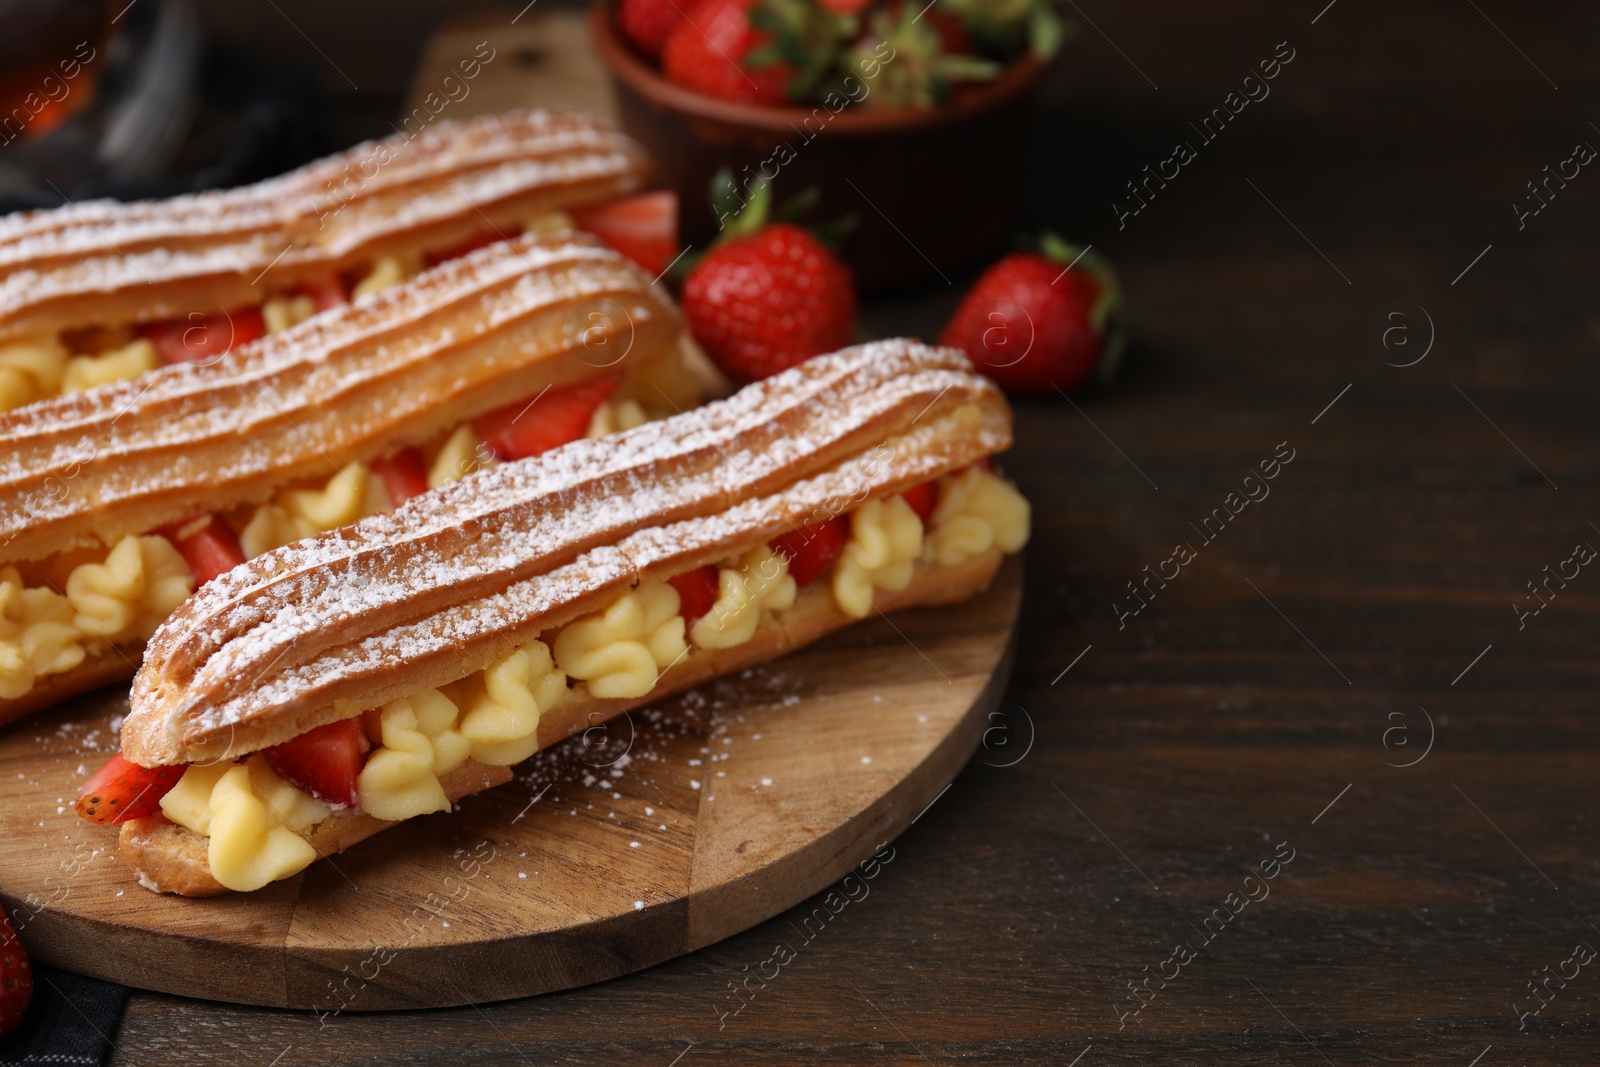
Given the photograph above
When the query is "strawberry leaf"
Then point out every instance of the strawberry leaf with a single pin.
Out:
(833, 232)
(798, 206)
(1047, 31)
(1109, 303)
(1115, 343)
(965, 68)
(1108, 317)
(725, 199)
(737, 216)
(803, 38)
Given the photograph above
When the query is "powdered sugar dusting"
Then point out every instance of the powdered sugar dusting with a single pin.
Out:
(325, 392)
(498, 556)
(326, 212)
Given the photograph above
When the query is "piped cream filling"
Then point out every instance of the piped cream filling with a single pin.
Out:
(38, 368)
(885, 541)
(123, 596)
(119, 599)
(621, 651)
(253, 820)
(757, 587)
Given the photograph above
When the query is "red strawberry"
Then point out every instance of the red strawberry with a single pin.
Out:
(708, 53)
(403, 474)
(545, 421)
(208, 546)
(923, 499)
(643, 228)
(697, 591)
(845, 7)
(471, 244)
(16, 978)
(953, 36)
(328, 291)
(648, 23)
(1033, 324)
(812, 548)
(324, 762)
(121, 790)
(760, 304)
(202, 338)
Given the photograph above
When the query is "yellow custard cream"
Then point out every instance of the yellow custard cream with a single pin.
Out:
(758, 585)
(143, 579)
(38, 635)
(117, 365)
(885, 541)
(253, 820)
(976, 511)
(257, 822)
(620, 652)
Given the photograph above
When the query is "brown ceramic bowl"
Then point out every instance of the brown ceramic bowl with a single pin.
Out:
(931, 188)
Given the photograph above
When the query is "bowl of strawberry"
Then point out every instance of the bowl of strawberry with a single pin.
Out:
(900, 111)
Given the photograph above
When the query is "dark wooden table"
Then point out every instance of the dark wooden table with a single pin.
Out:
(1358, 618)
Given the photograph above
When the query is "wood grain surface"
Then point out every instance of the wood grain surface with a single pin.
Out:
(1182, 749)
(643, 838)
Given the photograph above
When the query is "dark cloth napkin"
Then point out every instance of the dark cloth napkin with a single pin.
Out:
(72, 1023)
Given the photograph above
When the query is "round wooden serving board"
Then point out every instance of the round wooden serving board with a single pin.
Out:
(649, 837)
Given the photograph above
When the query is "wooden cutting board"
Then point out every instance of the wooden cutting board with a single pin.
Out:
(651, 836)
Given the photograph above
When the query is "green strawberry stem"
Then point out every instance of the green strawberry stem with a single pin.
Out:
(804, 38)
(1108, 317)
(744, 218)
(1047, 31)
(1004, 27)
(737, 216)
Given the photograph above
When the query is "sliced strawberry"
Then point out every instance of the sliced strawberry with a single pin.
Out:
(553, 418)
(325, 762)
(403, 475)
(812, 549)
(697, 591)
(202, 338)
(328, 291)
(208, 546)
(471, 244)
(643, 228)
(923, 499)
(16, 978)
(121, 790)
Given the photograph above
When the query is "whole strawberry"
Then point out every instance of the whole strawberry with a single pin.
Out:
(767, 296)
(648, 23)
(16, 978)
(709, 52)
(1035, 324)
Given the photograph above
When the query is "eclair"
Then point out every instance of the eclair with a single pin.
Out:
(104, 291)
(328, 689)
(118, 502)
